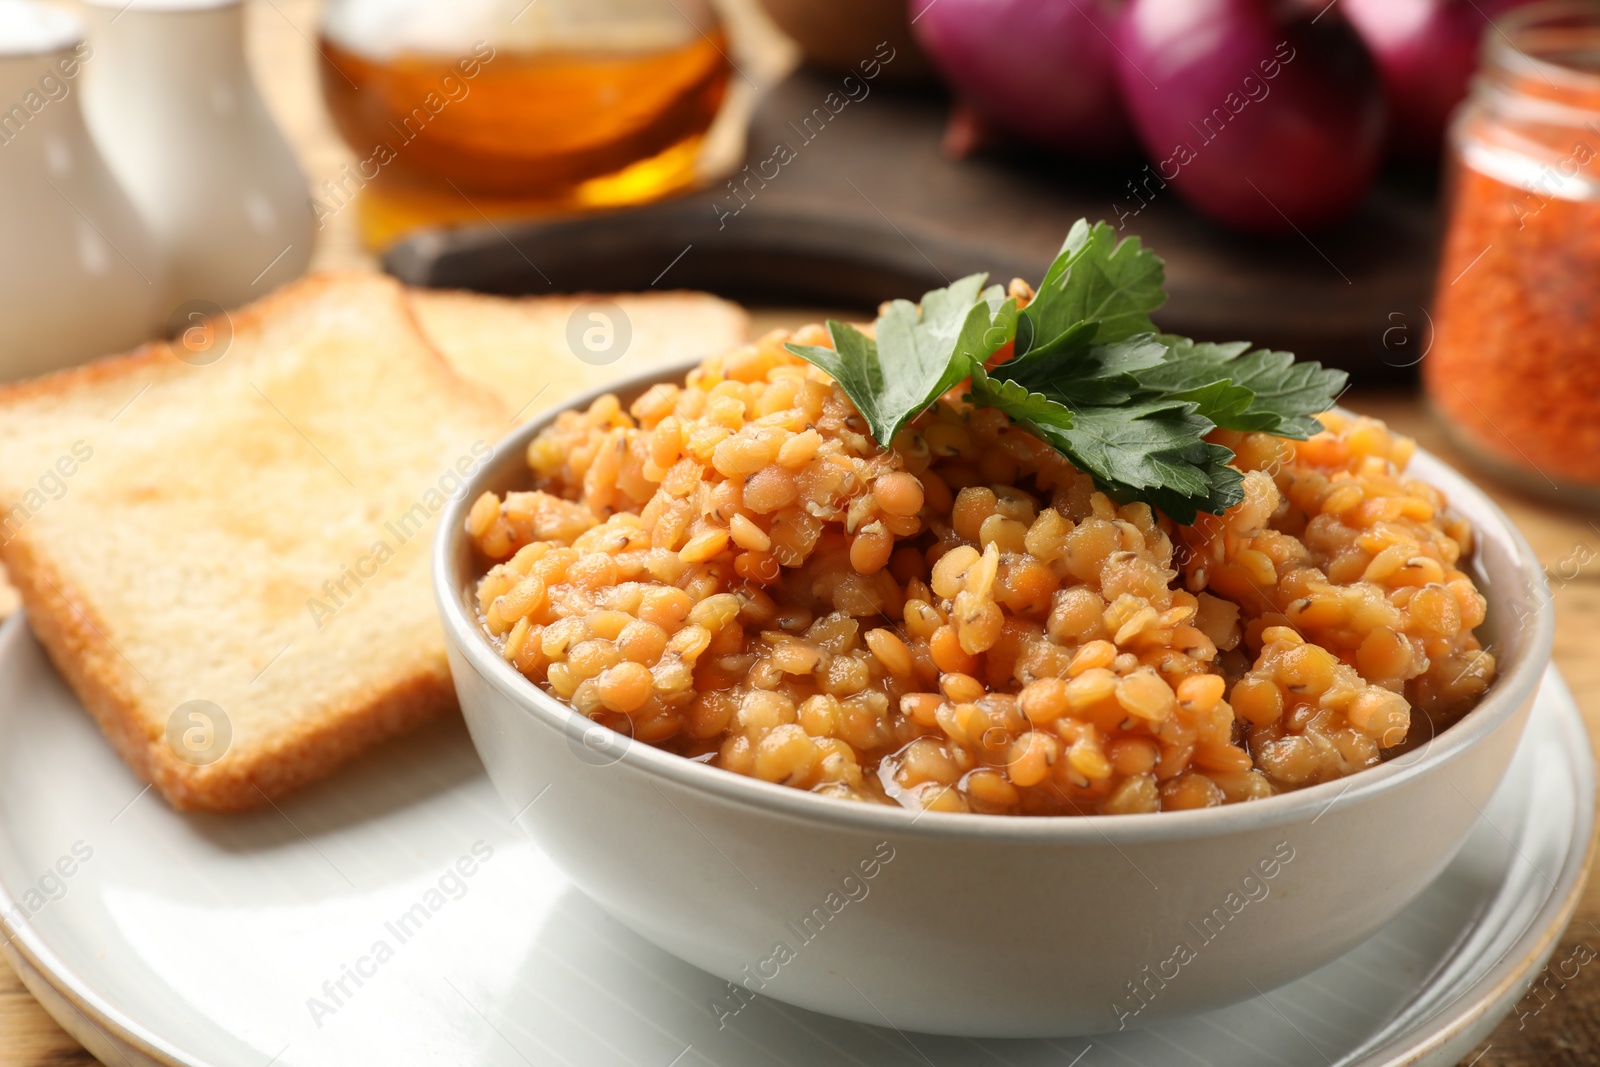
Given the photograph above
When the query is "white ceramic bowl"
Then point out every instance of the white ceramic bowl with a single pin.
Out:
(984, 925)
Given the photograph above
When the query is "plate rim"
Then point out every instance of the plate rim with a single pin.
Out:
(1533, 948)
(31, 957)
(38, 959)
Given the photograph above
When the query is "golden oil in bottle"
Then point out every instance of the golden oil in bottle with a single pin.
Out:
(532, 124)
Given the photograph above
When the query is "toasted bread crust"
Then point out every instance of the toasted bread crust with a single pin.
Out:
(66, 623)
(489, 339)
(97, 673)
(351, 700)
(156, 357)
(8, 595)
(77, 646)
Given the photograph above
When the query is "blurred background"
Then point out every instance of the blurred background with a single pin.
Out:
(1402, 188)
(1397, 187)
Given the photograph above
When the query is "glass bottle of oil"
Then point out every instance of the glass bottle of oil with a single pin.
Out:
(491, 109)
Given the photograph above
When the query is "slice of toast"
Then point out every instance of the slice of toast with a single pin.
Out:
(516, 345)
(229, 562)
(536, 352)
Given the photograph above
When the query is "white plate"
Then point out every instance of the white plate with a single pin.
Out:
(208, 939)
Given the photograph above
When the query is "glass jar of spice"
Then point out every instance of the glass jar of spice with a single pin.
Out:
(1515, 364)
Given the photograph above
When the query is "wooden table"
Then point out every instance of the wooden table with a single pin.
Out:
(1565, 1031)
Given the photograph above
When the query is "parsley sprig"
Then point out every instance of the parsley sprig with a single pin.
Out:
(1089, 374)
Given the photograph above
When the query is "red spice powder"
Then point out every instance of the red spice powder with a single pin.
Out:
(1516, 356)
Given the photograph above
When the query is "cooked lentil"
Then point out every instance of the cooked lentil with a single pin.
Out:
(733, 570)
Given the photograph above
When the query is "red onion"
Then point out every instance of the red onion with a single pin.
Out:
(1043, 70)
(1267, 115)
(1426, 51)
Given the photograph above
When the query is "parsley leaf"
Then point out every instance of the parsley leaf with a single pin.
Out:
(1099, 374)
(1097, 288)
(1015, 400)
(918, 354)
(1247, 390)
(1293, 391)
(1141, 445)
(1087, 373)
(1154, 452)
(1227, 489)
(1132, 451)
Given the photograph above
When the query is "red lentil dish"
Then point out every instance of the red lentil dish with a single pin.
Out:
(732, 569)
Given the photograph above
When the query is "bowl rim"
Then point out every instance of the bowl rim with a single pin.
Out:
(1509, 691)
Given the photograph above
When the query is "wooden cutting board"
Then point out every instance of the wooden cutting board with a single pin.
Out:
(850, 208)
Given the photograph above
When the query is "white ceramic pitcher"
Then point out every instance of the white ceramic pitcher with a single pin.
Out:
(80, 277)
(172, 106)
